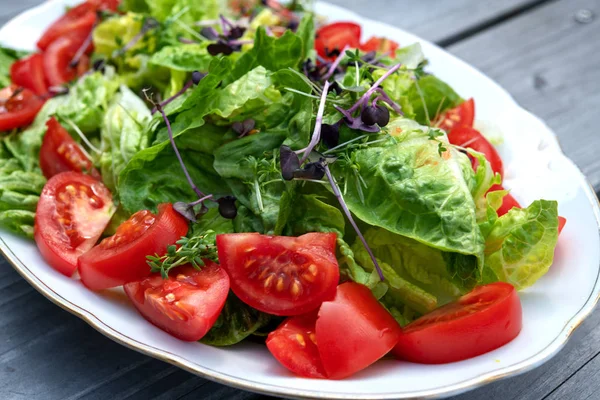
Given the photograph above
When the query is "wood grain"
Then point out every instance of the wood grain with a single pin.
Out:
(535, 49)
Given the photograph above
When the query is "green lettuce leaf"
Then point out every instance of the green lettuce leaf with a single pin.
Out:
(124, 133)
(187, 11)
(188, 57)
(430, 97)
(519, 248)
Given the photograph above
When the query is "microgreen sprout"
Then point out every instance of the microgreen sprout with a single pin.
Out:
(192, 251)
(196, 78)
(244, 128)
(316, 136)
(225, 43)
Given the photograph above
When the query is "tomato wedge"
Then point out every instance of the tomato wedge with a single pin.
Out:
(280, 275)
(79, 19)
(29, 73)
(187, 304)
(18, 107)
(336, 36)
(71, 214)
(478, 322)
(461, 115)
(58, 57)
(465, 136)
(108, 5)
(562, 221)
(121, 258)
(508, 202)
(380, 45)
(354, 331)
(294, 345)
(60, 153)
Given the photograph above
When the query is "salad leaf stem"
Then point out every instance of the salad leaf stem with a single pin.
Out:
(317, 132)
(338, 195)
(339, 146)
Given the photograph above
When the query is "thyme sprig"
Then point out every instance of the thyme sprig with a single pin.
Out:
(191, 251)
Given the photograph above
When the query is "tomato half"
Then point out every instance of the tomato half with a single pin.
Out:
(294, 345)
(60, 153)
(29, 73)
(465, 136)
(380, 45)
(478, 322)
(336, 36)
(121, 258)
(280, 275)
(353, 331)
(461, 115)
(58, 57)
(187, 304)
(78, 19)
(71, 214)
(18, 107)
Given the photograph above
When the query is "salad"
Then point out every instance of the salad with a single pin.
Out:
(245, 170)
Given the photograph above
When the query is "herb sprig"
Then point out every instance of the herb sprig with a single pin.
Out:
(186, 251)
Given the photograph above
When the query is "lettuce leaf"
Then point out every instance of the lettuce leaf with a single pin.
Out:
(519, 247)
(430, 97)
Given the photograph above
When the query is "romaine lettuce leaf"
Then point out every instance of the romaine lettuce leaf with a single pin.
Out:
(430, 97)
(519, 247)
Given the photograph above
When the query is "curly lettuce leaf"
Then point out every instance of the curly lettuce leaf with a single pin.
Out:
(519, 248)
(123, 134)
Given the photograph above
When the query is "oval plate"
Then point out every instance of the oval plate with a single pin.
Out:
(535, 168)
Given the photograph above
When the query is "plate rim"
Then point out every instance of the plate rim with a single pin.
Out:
(270, 389)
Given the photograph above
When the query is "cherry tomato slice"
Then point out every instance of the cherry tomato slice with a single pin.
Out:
(461, 115)
(29, 73)
(121, 258)
(465, 136)
(58, 58)
(280, 275)
(380, 45)
(294, 345)
(353, 331)
(18, 108)
(478, 322)
(78, 19)
(71, 214)
(336, 36)
(187, 304)
(60, 153)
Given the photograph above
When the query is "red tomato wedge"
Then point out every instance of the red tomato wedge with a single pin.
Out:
(465, 136)
(18, 108)
(280, 275)
(353, 331)
(508, 202)
(478, 322)
(187, 304)
(71, 214)
(60, 153)
(562, 221)
(121, 258)
(380, 45)
(461, 115)
(294, 345)
(29, 74)
(58, 57)
(107, 5)
(78, 19)
(336, 36)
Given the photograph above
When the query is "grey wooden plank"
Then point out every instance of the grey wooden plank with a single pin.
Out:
(437, 20)
(548, 60)
(584, 385)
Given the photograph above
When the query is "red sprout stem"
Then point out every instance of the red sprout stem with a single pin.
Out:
(316, 136)
(335, 64)
(338, 195)
(373, 88)
(81, 50)
(176, 95)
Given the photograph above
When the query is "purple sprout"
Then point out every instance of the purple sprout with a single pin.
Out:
(316, 136)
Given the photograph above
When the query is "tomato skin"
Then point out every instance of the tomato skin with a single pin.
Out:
(18, 110)
(58, 57)
(562, 221)
(280, 275)
(461, 115)
(107, 5)
(294, 345)
(380, 45)
(465, 136)
(29, 73)
(508, 201)
(78, 19)
(353, 331)
(337, 36)
(121, 258)
(60, 153)
(71, 214)
(478, 322)
(187, 304)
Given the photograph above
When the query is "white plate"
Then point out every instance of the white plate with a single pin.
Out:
(553, 307)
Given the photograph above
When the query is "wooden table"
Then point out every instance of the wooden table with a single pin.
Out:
(544, 52)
